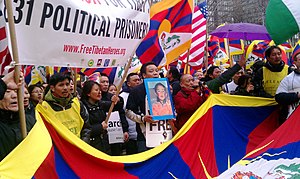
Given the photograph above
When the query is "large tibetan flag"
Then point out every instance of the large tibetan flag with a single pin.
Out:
(276, 157)
(283, 19)
(223, 130)
(170, 32)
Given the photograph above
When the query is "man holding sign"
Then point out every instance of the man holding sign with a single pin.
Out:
(136, 105)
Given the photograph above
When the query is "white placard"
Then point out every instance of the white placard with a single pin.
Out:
(78, 33)
(115, 131)
(158, 133)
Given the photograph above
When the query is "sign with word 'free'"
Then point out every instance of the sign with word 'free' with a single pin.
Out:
(78, 33)
(158, 133)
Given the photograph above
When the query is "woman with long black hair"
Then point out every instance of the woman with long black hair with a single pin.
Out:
(91, 96)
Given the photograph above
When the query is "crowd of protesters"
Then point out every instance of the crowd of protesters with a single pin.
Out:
(84, 110)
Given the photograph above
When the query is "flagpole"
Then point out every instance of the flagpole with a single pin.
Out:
(206, 43)
(228, 51)
(206, 54)
(75, 81)
(186, 68)
(119, 87)
(15, 55)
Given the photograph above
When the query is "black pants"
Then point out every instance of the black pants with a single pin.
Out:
(131, 147)
(116, 149)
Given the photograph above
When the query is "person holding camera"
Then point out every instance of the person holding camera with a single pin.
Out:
(188, 99)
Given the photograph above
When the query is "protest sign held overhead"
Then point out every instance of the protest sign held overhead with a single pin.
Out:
(78, 33)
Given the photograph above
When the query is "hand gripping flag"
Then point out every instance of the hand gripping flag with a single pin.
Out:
(219, 133)
(170, 32)
(198, 37)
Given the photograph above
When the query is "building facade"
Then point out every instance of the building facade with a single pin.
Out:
(235, 11)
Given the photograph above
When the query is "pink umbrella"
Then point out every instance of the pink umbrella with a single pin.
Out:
(244, 31)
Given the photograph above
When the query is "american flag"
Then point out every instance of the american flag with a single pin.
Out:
(198, 37)
(5, 58)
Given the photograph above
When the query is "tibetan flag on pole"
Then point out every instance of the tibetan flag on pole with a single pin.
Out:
(218, 53)
(170, 32)
(223, 130)
(35, 74)
(236, 47)
(287, 47)
(283, 19)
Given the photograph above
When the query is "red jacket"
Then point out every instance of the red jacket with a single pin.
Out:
(186, 103)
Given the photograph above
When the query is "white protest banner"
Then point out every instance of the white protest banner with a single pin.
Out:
(78, 33)
(115, 132)
(158, 133)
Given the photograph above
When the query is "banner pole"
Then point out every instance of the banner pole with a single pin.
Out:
(186, 68)
(15, 55)
(119, 87)
(75, 80)
(206, 51)
(228, 51)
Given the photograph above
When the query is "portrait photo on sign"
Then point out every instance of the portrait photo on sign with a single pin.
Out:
(159, 98)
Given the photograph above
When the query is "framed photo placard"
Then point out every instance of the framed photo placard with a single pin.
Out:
(159, 98)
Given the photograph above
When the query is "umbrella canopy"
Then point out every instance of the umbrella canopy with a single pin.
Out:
(245, 31)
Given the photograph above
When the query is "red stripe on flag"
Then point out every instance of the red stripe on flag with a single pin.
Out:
(198, 40)
(266, 128)
(83, 164)
(204, 130)
(47, 168)
(2, 33)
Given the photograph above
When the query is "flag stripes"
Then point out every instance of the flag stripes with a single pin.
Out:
(198, 37)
